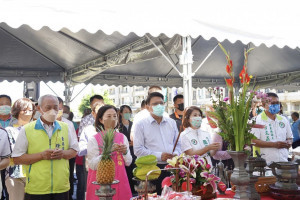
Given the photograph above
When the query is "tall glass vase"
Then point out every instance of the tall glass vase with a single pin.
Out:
(240, 178)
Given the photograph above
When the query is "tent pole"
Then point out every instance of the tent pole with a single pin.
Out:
(186, 60)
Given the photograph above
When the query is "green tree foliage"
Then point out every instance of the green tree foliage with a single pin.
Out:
(85, 101)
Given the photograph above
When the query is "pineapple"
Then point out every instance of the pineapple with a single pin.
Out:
(106, 166)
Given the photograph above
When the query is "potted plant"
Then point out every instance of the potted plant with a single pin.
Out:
(193, 170)
(231, 116)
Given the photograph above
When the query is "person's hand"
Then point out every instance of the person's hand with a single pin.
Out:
(47, 154)
(214, 146)
(165, 156)
(122, 149)
(281, 145)
(57, 154)
(131, 143)
(115, 147)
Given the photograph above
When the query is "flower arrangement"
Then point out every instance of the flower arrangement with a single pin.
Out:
(193, 169)
(231, 114)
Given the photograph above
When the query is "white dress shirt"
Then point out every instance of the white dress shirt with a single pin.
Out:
(21, 145)
(152, 138)
(86, 133)
(140, 116)
(94, 156)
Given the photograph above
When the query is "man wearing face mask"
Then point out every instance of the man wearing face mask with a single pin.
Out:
(156, 134)
(44, 146)
(6, 120)
(144, 112)
(276, 137)
(179, 107)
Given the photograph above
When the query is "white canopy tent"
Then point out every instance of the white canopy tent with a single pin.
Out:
(253, 23)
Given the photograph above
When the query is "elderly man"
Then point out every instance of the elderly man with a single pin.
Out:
(44, 146)
(276, 137)
(5, 152)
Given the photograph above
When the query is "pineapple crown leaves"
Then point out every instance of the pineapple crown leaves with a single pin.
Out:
(107, 142)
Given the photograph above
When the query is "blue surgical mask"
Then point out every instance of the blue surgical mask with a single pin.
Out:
(259, 110)
(127, 116)
(158, 110)
(196, 122)
(5, 110)
(274, 108)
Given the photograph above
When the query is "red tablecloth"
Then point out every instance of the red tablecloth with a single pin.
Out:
(230, 194)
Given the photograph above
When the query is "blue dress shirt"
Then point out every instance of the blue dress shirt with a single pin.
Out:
(295, 130)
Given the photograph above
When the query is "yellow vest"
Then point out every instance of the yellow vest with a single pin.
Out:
(47, 176)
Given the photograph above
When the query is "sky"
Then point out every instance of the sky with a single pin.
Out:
(15, 91)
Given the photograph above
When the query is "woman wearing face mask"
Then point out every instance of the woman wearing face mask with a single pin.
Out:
(125, 128)
(195, 141)
(105, 116)
(23, 111)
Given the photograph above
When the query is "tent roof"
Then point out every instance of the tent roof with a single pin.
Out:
(256, 21)
(35, 46)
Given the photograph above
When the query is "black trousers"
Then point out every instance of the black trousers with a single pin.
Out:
(4, 190)
(58, 196)
(71, 177)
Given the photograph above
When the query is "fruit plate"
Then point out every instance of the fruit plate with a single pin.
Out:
(113, 183)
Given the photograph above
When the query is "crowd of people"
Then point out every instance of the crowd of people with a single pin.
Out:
(40, 145)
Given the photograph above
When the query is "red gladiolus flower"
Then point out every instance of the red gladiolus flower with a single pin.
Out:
(230, 63)
(228, 69)
(229, 82)
(244, 76)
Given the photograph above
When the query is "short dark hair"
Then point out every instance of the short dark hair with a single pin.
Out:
(153, 94)
(296, 114)
(271, 94)
(5, 96)
(187, 114)
(98, 125)
(20, 105)
(143, 104)
(178, 96)
(96, 96)
(60, 100)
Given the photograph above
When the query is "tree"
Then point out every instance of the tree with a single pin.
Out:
(85, 101)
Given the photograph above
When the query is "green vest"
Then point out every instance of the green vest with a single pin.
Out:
(47, 176)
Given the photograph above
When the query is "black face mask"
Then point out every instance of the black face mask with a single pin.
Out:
(181, 106)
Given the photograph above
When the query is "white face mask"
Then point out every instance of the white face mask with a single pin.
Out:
(60, 113)
(37, 115)
(50, 115)
(65, 115)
